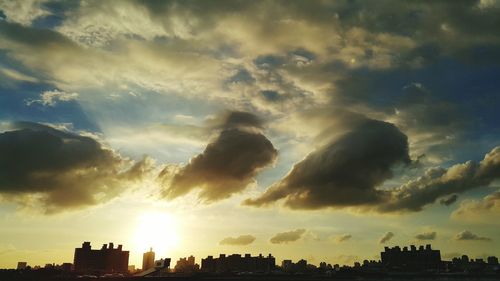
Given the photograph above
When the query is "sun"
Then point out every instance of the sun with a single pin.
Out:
(157, 230)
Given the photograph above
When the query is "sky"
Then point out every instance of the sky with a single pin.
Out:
(323, 130)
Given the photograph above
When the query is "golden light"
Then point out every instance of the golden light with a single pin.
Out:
(157, 230)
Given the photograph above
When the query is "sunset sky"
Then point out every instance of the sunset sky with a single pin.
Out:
(322, 130)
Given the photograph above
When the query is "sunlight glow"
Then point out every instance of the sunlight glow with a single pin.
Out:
(157, 230)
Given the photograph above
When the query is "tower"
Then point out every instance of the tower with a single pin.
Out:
(148, 260)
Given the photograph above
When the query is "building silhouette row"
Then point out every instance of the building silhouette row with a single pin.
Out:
(238, 263)
(114, 260)
(106, 260)
(411, 259)
(186, 265)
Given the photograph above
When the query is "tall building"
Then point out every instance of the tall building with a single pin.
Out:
(106, 260)
(413, 259)
(148, 260)
(22, 265)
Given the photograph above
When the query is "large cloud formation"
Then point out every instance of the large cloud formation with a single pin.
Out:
(352, 169)
(345, 172)
(288, 236)
(440, 182)
(281, 58)
(241, 240)
(59, 169)
(227, 165)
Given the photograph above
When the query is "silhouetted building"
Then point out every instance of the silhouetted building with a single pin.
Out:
(186, 265)
(421, 259)
(238, 263)
(492, 260)
(22, 265)
(300, 267)
(160, 268)
(464, 264)
(148, 259)
(66, 266)
(287, 265)
(107, 259)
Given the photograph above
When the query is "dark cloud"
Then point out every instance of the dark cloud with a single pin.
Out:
(429, 117)
(287, 237)
(343, 238)
(241, 76)
(343, 173)
(236, 119)
(439, 182)
(469, 236)
(426, 236)
(241, 240)
(386, 237)
(64, 170)
(357, 158)
(448, 200)
(269, 61)
(227, 165)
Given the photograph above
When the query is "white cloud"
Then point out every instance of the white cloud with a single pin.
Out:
(23, 12)
(97, 24)
(51, 98)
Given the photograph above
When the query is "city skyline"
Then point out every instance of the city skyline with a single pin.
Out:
(411, 258)
(317, 130)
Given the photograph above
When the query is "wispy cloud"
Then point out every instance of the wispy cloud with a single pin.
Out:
(51, 98)
(386, 237)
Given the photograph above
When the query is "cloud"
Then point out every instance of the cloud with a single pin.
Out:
(23, 12)
(343, 238)
(51, 98)
(469, 236)
(330, 176)
(241, 240)
(287, 237)
(57, 170)
(439, 182)
(448, 200)
(484, 210)
(16, 75)
(116, 21)
(235, 119)
(280, 59)
(426, 236)
(386, 237)
(344, 173)
(227, 165)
